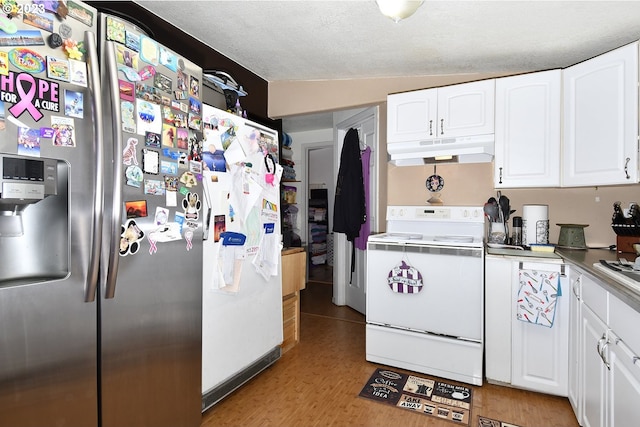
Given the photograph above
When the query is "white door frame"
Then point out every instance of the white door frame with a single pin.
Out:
(341, 246)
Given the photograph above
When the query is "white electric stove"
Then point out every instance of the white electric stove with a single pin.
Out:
(425, 291)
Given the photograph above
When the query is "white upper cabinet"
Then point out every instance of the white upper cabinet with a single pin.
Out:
(466, 109)
(411, 116)
(528, 130)
(446, 112)
(600, 145)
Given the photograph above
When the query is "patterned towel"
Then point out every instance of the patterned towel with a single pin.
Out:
(536, 301)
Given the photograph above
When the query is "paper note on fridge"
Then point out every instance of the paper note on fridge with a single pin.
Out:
(234, 153)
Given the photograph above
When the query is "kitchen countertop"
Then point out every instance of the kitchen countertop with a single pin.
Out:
(585, 260)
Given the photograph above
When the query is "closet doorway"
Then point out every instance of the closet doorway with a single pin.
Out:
(321, 193)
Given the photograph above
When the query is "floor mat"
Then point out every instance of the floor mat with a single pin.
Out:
(488, 422)
(429, 396)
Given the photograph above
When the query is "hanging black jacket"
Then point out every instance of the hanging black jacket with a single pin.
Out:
(349, 210)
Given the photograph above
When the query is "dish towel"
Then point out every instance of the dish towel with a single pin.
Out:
(537, 295)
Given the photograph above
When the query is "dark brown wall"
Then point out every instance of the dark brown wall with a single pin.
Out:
(177, 40)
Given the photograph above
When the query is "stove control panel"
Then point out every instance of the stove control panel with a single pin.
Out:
(435, 213)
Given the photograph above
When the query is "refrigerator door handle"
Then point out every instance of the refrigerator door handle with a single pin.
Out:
(98, 197)
(116, 209)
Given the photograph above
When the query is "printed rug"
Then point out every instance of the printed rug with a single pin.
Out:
(428, 396)
(488, 422)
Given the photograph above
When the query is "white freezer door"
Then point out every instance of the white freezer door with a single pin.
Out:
(450, 301)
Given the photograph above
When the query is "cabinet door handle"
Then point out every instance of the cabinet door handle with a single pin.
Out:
(500, 177)
(441, 126)
(431, 127)
(604, 347)
(598, 348)
(626, 167)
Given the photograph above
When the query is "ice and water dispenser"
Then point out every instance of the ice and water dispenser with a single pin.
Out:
(34, 219)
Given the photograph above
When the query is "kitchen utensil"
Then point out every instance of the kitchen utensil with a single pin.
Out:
(491, 210)
(505, 207)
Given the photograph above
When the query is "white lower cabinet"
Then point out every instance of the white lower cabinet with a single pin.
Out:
(497, 314)
(623, 402)
(604, 379)
(518, 353)
(594, 371)
(575, 342)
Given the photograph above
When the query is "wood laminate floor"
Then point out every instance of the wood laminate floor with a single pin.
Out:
(318, 381)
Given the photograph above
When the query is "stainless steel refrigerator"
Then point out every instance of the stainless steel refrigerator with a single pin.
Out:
(100, 223)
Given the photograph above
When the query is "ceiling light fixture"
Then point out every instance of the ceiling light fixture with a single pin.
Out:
(398, 9)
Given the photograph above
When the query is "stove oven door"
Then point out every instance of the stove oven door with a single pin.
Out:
(450, 301)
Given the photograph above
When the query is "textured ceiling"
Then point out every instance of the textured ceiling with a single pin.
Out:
(309, 40)
(350, 39)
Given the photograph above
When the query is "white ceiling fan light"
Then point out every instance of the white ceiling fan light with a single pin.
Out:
(398, 9)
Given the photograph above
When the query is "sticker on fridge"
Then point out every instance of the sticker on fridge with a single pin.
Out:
(78, 72)
(132, 41)
(115, 29)
(148, 117)
(57, 68)
(82, 14)
(126, 57)
(42, 20)
(128, 117)
(29, 141)
(22, 38)
(168, 59)
(73, 104)
(64, 131)
(148, 50)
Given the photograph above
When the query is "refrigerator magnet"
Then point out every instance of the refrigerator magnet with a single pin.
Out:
(191, 205)
(57, 68)
(154, 187)
(129, 154)
(128, 117)
(136, 209)
(4, 64)
(126, 57)
(115, 29)
(149, 50)
(152, 139)
(168, 59)
(194, 87)
(38, 18)
(130, 237)
(132, 41)
(150, 161)
(127, 90)
(162, 215)
(134, 176)
(65, 31)
(73, 104)
(188, 179)
(78, 72)
(84, 15)
(147, 72)
(163, 83)
(27, 60)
